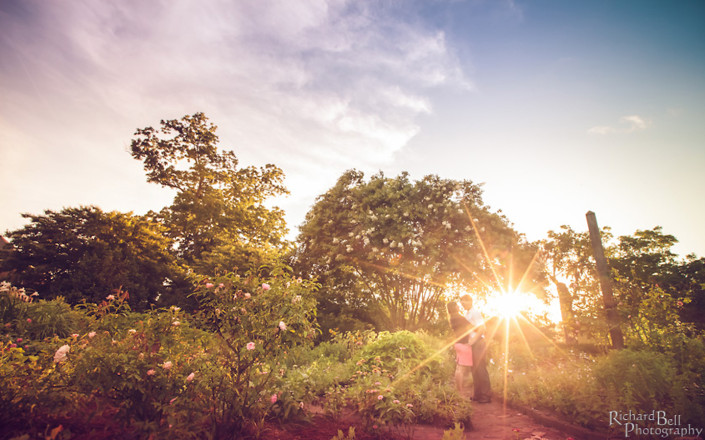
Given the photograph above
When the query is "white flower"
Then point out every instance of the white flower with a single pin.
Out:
(167, 365)
(60, 354)
(282, 326)
(385, 241)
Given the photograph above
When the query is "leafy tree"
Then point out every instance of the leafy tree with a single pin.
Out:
(569, 265)
(393, 247)
(651, 284)
(218, 210)
(85, 253)
(644, 262)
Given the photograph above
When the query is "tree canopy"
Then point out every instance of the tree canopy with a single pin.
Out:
(396, 246)
(218, 208)
(85, 253)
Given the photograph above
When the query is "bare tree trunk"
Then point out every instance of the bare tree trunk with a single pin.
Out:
(605, 282)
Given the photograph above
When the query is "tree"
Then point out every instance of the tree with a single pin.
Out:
(568, 263)
(85, 253)
(218, 209)
(644, 262)
(650, 282)
(394, 247)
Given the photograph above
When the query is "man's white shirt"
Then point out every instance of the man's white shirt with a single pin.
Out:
(474, 317)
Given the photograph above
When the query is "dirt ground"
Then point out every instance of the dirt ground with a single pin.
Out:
(491, 421)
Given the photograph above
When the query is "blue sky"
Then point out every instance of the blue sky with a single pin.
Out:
(558, 107)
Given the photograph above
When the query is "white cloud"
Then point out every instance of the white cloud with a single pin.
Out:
(314, 87)
(627, 124)
(634, 123)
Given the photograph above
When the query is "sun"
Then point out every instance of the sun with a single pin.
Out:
(511, 304)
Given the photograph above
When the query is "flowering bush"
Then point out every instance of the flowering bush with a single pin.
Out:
(256, 322)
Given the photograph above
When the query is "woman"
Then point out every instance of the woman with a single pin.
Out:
(463, 351)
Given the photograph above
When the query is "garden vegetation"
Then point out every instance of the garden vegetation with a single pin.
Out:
(201, 320)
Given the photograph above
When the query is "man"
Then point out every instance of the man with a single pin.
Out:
(480, 376)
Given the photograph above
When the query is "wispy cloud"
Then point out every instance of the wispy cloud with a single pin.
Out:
(627, 124)
(318, 71)
(314, 87)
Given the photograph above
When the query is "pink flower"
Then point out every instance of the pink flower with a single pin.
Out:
(408, 405)
(91, 335)
(29, 320)
(273, 399)
(171, 402)
(375, 426)
(110, 297)
(247, 295)
(175, 323)
(282, 326)
(250, 345)
(265, 286)
(221, 285)
(380, 397)
(190, 377)
(19, 339)
(396, 401)
(75, 335)
(60, 354)
(209, 285)
(151, 372)
(167, 365)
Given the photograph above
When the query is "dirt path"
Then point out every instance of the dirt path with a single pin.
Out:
(491, 421)
(494, 421)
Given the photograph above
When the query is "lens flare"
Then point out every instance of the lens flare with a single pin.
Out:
(511, 304)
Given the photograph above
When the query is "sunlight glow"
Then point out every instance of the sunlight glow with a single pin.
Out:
(510, 304)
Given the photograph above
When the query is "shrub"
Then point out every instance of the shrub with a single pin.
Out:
(256, 322)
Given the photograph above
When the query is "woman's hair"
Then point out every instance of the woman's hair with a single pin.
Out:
(453, 309)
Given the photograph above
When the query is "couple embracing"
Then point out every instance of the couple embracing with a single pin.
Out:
(470, 348)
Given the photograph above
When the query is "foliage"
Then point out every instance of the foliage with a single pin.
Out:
(218, 218)
(584, 388)
(392, 245)
(256, 322)
(569, 265)
(153, 374)
(82, 253)
(349, 436)
(654, 289)
(455, 433)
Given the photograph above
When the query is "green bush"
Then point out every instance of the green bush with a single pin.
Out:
(638, 380)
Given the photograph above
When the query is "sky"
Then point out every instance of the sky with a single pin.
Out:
(556, 107)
